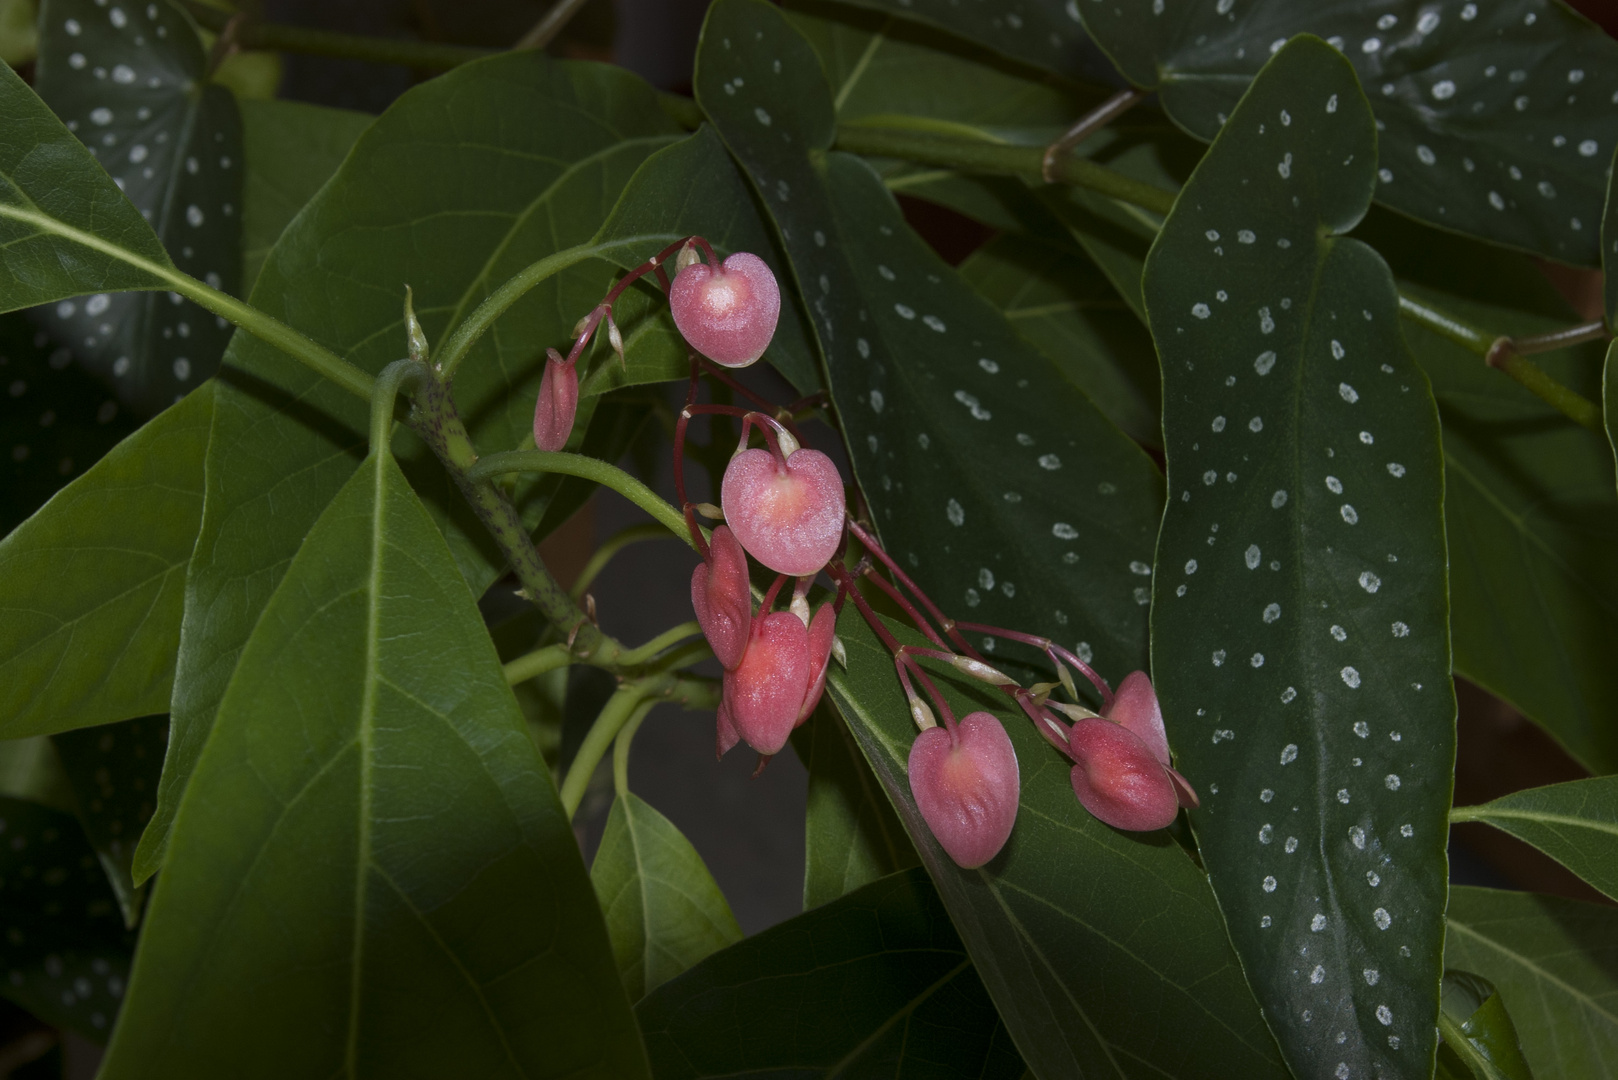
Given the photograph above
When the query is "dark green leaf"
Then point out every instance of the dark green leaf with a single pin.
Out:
(19, 37)
(1104, 951)
(664, 912)
(1575, 823)
(693, 187)
(1478, 1031)
(1609, 397)
(91, 587)
(1011, 495)
(851, 834)
(66, 227)
(291, 149)
(1609, 247)
(1299, 634)
(65, 953)
(31, 770)
(113, 773)
(1555, 963)
(874, 984)
(1062, 303)
(131, 82)
(442, 194)
(370, 872)
(55, 420)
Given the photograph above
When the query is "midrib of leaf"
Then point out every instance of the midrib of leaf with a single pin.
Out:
(1539, 972)
(860, 65)
(910, 1007)
(50, 226)
(1063, 307)
(1485, 813)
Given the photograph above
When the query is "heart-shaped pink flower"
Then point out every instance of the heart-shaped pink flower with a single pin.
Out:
(788, 513)
(720, 597)
(966, 787)
(765, 692)
(728, 314)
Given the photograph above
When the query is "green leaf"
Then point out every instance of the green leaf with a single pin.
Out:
(30, 770)
(113, 772)
(291, 150)
(1014, 499)
(851, 834)
(694, 188)
(873, 984)
(132, 83)
(1555, 963)
(1609, 397)
(664, 912)
(1063, 304)
(91, 586)
(1104, 951)
(1300, 627)
(1478, 1031)
(66, 227)
(1575, 823)
(370, 872)
(19, 37)
(55, 420)
(65, 954)
(1493, 119)
(1609, 248)
(441, 194)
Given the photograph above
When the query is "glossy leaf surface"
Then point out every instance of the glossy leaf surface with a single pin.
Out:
(291, 149)
(66, 952)
(1553, 962)
(67, 228)
(371, 873)
(91, 587)
(1300, 634)
(877, 984)
(1477, 1032)
(664, 913)
(1575, 823)
(851, 836)
(1012, 498)
(1104, 951)
(440, 194)
(131, 83)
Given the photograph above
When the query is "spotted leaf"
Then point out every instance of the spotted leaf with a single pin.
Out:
(1010, 495)
(65, 953)
(130, 81)
(1299, 626)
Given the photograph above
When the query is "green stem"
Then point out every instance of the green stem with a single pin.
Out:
(620, 748)
(253, 34)
(586, 468)
(551, 24)
(669, 637)
(537, 663)
(634, 534)
(1445, 325)
(455, 348)
(383, 397)
(611, 720)
(1570, 403)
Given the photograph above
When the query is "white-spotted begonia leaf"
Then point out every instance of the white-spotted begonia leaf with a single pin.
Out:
(131, 82)
(1299, 624)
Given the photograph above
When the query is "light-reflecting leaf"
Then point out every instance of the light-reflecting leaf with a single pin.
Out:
(1477, 1030)
(1494, 119)
(873, 984)
(91, 586)
(664, 913)
(290, 150)
(1555, 964)
(851, 836)
(1575, 823)
(441, 194)
(1063, 304)
(693, 187)
(1104, 951)
(1300, 641)
(1015, 501)
(370, 872)
(65, 953)
(112, 772)
(131, 82)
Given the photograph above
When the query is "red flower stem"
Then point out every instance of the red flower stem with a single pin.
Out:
(1050, 648)
(932, 691)
(840, 575)
(944, 621)
(784, 415)
(772, 431)
(768, 602)
(713, 260)
(1054, 730)
(679, 444)
(906, 606)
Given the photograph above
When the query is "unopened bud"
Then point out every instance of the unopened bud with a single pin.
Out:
(709, 511)
(1072, 712)
(414, 334)
(922, 714)
(839, 653)
(581, 326)
(981, 671)
(800, 606)
(1067, 681)
(687, 256)
(1042, 691)
(616, 340)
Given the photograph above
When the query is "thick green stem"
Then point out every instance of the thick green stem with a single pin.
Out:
(383, 400)
(586, 468)
(614, 715)
(253, 34)
(670, 637)
(1571, 404)
(537, 663)
(456, 346)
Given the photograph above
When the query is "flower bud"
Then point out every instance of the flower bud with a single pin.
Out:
(721, 599)
(822, 633)
(966, 785)
(414, 335)
(557, 405)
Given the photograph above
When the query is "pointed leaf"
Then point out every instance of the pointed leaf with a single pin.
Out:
(132, 83)
(877, 984)
(1575, 823)
(65, 954)
(1013, 498)
(664, 913)
(371, 872)
(1300, 635)
(1553, 962)
(851, 834)
(91, 586)
(441, 194)
(1477, 1030)
(1104, 951)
